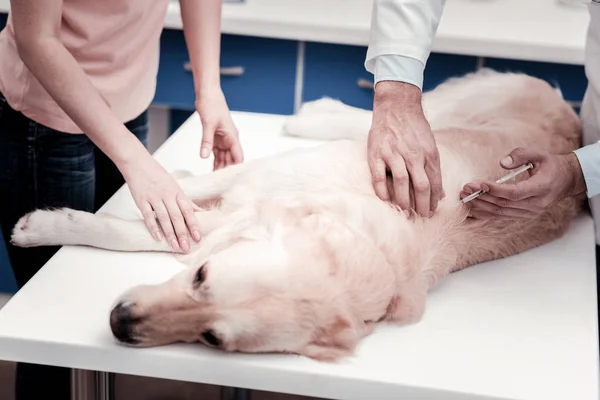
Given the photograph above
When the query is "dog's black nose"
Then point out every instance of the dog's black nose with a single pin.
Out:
(121, 323)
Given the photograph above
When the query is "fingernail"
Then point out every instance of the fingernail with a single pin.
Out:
(204, 152)
(185, 245)
(485, 188)
(158, 236)
(468, 191)
(174, 244)
(470, 216)
(196, 236)
(507, 161)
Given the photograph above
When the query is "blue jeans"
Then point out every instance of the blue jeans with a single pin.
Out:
(41, 167)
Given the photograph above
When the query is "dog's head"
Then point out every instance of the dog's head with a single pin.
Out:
(284, 288)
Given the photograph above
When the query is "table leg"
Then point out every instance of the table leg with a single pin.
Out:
(229, 393)
(91, 385)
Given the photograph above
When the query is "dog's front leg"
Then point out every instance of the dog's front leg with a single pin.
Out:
(71, 227)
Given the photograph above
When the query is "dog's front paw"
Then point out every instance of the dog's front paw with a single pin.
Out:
(40, 227)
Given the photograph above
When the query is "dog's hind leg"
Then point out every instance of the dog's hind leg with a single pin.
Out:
(208, 187)
(352, 125)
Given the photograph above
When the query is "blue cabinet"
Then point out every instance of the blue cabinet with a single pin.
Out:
(338, 71)
(335, 71)
(441, 67)
(263, 78)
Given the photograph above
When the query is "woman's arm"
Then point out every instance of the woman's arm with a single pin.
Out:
(37, 25)
(202, 29)
(37, 29)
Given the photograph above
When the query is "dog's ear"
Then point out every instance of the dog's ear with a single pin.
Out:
(335, 340)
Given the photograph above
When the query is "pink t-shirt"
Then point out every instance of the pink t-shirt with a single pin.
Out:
(116, 43)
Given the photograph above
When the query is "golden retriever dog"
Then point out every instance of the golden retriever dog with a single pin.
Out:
(298, 255)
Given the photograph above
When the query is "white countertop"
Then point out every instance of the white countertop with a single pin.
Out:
(537, 30)
(521, 328)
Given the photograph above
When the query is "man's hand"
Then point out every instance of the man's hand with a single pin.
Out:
(553, 178)
(219, 133)
(401, 141)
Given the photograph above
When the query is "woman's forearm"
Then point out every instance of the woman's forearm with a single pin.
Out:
(202, 29)
(62, 77)
(66, 82)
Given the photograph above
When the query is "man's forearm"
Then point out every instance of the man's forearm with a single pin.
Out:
(202, 29)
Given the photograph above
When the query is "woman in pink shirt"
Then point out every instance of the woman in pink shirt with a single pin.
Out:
(76, 79)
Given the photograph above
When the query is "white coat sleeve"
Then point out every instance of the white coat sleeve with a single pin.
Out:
(589, 159)
(402, 32)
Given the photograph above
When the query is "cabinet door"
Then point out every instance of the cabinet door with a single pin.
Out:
(338, 71)
(257, 74)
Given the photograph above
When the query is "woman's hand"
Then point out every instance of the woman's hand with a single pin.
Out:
(219, 133)
(202, 29)
(159, 197)
(553, 178)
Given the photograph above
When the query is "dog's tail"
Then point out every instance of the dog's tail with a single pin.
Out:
(329, 119)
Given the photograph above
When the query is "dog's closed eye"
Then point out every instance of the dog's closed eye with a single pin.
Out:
(200, 275)
(211, 339)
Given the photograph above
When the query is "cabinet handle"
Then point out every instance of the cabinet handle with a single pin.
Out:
(231, 71)
(365, 84)
(224, 71)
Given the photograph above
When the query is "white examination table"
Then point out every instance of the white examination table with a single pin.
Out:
(521, 328)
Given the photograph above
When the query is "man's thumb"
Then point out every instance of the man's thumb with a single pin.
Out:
(518, 157)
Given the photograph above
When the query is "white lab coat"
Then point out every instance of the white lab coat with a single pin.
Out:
(589, 156)
(402, 32)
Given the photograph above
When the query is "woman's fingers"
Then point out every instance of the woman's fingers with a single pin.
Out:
(162, 214)
(150, 221)
(187, 208)
(178, 223)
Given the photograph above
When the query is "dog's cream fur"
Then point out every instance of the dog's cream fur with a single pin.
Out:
(299, 255)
